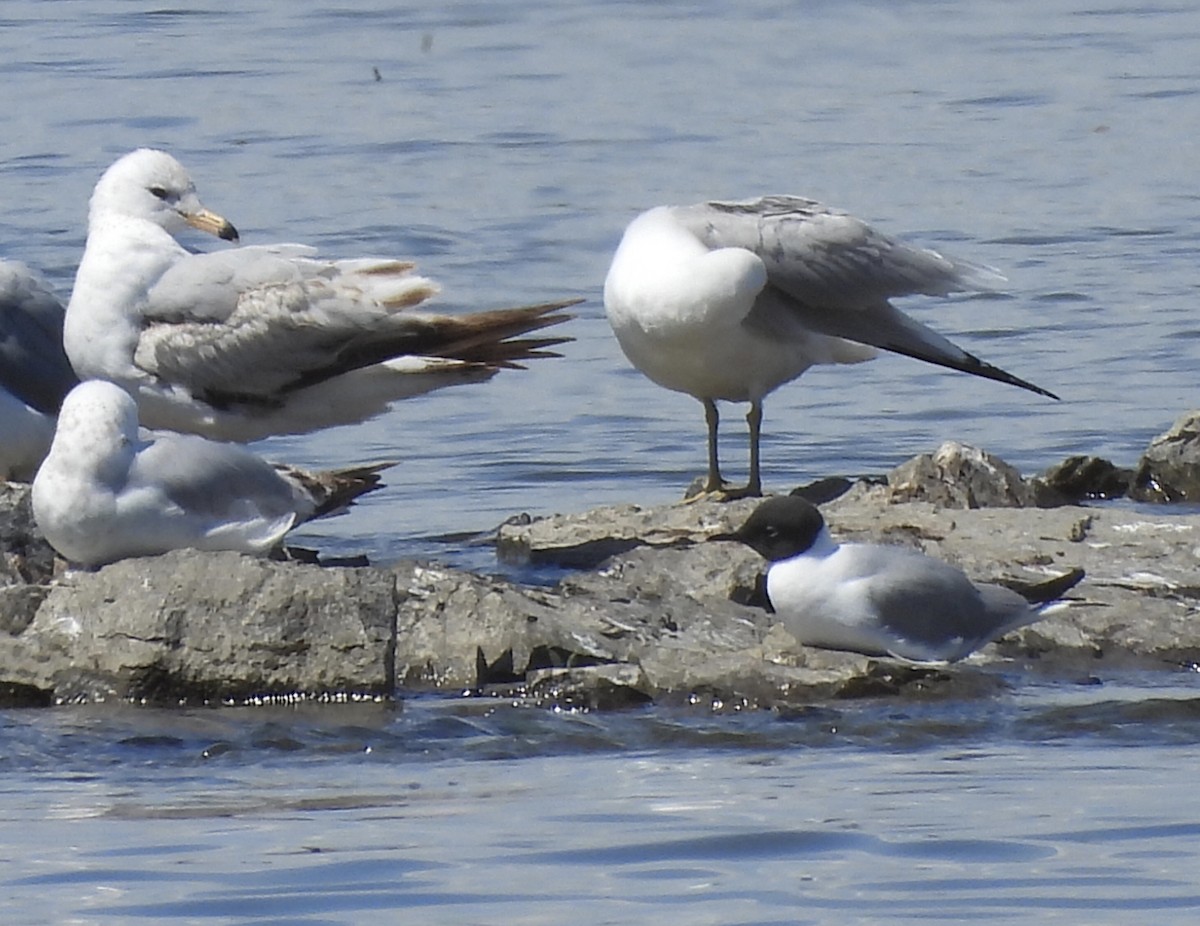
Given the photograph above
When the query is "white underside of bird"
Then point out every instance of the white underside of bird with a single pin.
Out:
(685, 316)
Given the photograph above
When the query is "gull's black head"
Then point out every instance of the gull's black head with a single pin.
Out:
(781, 527)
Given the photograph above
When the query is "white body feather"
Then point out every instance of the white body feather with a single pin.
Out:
(682, 313)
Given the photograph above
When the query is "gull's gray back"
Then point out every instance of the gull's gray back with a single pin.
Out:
(826, 257)
(932, 604)
(207, 478)
(33, 364)
(208, 286)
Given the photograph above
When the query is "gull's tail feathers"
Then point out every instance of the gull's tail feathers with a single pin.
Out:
(488, 339)
(414, 354)
(492, 337)
(1049, 591)
(332, 491)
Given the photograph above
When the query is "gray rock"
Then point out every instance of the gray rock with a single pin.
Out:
(19, 605)
(1137, 604)
(1169, 470)
(592, 688)
(672, 616)
(1083, 477)
(959, 476)
(583, 541)
(461, 631)
(25, 556)
(189, 626)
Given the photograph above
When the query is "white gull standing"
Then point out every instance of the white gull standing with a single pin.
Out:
(729, 300)
(881, 600)
(35, 374)
(253, 341)
(105, 493)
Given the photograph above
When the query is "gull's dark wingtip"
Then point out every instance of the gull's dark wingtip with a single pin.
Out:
(988, 371)
(1050, 589)
(967, 363)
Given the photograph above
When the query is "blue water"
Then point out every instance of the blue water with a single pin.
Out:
(505, 146)
(1057, 801)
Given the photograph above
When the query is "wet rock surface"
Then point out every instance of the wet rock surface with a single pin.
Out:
(656, 611)
(1169, 470)
(1082, 477)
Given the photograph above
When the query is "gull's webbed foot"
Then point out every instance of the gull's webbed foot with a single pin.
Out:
(705, 490)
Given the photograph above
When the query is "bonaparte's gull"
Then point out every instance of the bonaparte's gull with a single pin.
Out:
(881, 600)
(252, 341)
(105, 493)
(35, 374)
(729, 300)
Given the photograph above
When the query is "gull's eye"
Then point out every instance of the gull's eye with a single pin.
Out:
(159, 191)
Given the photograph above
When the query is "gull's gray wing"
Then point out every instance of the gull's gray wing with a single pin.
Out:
(212, 480)
(935, 607)
(836, 274)
(208, 287)
(250, 322)
(33, 364)
(822, 255)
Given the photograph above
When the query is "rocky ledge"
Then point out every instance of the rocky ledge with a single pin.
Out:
(650, 609)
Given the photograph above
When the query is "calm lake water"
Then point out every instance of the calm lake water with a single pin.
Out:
(505, 146)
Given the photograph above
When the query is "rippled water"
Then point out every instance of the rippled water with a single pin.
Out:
(1063, 800)
(505, 146)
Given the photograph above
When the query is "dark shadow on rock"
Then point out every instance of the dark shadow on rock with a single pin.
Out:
(586, 555)
(1080, 478)
(14, 694)
(824, 490)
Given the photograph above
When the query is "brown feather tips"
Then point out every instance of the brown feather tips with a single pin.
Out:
(334, 490)
(492, 338)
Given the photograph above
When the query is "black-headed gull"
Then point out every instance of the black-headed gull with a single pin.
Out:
(881, 600)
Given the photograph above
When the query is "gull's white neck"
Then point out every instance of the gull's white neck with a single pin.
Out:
(123, 259)
(823, 545)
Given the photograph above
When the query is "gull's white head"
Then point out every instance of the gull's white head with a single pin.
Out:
(151, 185)
(97, 426)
